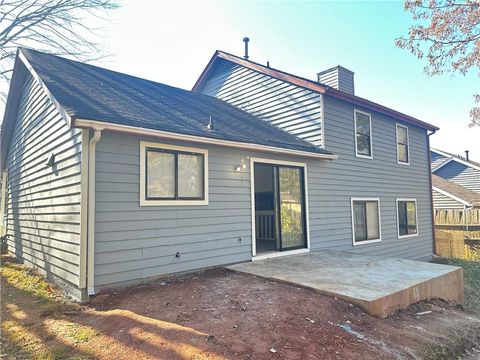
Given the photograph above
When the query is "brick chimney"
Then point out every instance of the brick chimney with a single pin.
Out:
(339, 78)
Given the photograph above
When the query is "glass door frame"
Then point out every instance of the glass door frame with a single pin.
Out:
(306, 225)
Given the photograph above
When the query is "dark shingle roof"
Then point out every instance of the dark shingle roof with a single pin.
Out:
(94, 93)
(459, 191)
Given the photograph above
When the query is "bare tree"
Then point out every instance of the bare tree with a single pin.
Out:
(447, 34)
(53, 26)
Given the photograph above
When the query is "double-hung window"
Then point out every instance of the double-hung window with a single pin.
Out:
(403, 151)
(407, 217)
(173, 175)
(363, 134)
(366, 220)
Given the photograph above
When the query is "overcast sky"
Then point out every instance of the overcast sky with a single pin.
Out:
(172, 42)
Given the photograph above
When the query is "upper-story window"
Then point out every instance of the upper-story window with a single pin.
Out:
(403, 151)
(172, 175)
(363, 134)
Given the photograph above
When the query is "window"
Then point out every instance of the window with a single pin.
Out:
(403, 154)
(172, 175)
(363, 135)
(407, 217)
(366, 221)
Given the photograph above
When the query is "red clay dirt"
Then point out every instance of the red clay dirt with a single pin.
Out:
(219, 314)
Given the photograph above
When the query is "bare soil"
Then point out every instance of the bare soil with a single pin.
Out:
(219, 314)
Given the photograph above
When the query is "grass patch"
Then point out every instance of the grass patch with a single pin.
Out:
(471, 274)
(34, 325)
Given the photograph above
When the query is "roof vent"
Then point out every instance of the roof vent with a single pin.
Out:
(466, 155)
(210, 126)
(246, 40)
(339, 78)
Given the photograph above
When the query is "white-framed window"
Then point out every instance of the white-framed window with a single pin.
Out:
(403, 148)
(363, 134)
(173, 175)
(407, 218)
(366, 225)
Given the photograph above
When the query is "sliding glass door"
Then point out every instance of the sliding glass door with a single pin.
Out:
(291, 207)
(279, 207)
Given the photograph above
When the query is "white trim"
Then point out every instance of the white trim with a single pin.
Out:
(445, 162)
(356, 243)
(84, 209)
(397, 125)
(275, 254)
(355, 111)
(446, 193)
(322, 121)
(3, 228)
(82, 123)
(398, 220)
(253, 160)
(144, 201)
(54, 101)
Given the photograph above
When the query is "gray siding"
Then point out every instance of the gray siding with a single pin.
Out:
(43, 210)
(441, 201)
(289, 107)
(135, 243)
(436, 159)
(332, 184)
(461, 174)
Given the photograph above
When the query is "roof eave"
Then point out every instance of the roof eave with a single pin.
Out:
(103, 125)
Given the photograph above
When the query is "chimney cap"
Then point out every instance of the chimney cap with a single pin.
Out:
(245, 39)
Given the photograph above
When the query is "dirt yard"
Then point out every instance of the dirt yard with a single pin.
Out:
(218, 314)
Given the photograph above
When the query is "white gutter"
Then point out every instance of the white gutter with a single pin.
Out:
(81, 123)
(91, 211)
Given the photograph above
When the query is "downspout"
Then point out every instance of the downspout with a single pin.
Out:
(431, 191)
(91, 212)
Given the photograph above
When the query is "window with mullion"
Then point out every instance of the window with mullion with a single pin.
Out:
(403, 155)
(366, 220)
(174, 175)
(363, 132)
(407, 217)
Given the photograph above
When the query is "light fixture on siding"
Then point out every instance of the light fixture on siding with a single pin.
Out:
(238, 168)
(51, 160)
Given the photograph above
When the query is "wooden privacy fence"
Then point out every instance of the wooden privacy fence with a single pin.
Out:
(457, 233)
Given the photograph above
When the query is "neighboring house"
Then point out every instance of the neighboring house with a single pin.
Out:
(115, 180)
(449, 195)
(461, 171)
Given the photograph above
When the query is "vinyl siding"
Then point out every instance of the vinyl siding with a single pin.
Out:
(289, 107)
(461, 174)
(134, 243)
(441, 201)
(332, 184)
(436, 159)
(43, 210)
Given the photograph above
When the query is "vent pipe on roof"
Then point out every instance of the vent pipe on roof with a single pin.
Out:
(246, 40)
(466, 154)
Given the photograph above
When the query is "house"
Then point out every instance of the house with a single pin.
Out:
(449, 195)
(460, 170)
(113, 180)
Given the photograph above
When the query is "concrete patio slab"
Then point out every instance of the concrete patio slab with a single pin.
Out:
(378, 285)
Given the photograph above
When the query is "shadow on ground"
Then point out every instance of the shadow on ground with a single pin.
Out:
(217, 314)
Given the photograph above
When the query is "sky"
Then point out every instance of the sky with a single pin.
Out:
(171, 42)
